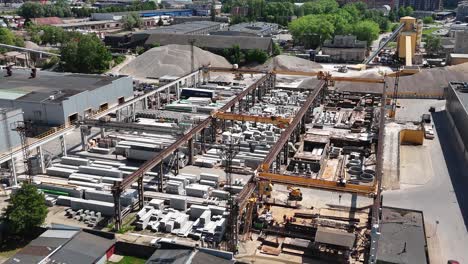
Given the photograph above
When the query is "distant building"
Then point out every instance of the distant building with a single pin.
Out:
(461, 42)
(212, 42)
(462, 11)
(189, 28)
(456, 106)
(345, 49)
(239, 11)
(9, 139)
(180, 19)
(371, 3)
(427, 5)
(67, 246)
(44, 21)
(56, 98)
(116, 16)
(203, 8)
(259, 29)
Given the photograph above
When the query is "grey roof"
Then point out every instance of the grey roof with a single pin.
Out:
(61, 85)
(73, 247)
(335, 237)
(211, 42)
(402, 238)
(42, 246)
(185, 28)
(83, 248)
(205, 258)
(171, 255)
(463, 97)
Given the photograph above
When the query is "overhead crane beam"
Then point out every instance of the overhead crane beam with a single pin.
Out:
(148, 165)
(321, 75)
(284, 138)
(118, 188)
(124, 126)
(317, 183)
(276, 120)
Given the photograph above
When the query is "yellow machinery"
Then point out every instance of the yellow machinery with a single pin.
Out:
(295, 193)
(265, 188)
(409, 39)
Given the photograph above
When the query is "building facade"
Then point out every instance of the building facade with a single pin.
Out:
(345, 48)
(462, 11)
(457, 105)
(9, 139)
(426, 5)
(54, 99)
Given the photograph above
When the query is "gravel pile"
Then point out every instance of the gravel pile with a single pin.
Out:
(174, 60)
(428, 81)
(289, 63)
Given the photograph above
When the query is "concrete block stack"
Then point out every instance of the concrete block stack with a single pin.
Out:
(174, 187)
(198, 190)
(178, 203)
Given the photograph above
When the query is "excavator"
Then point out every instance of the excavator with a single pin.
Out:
(295, 193)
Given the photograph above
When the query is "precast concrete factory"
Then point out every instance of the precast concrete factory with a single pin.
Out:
(197, 160)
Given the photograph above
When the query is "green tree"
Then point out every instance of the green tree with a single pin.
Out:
(276, 49)
(256, 55)
(26, 210)
(234, 54)
(366, 30)
(312, 30)
(132, 20)
(433, 45)
(409, 11)
(160, 22)
(7, 37)
(428, 20)
(320, 7)
(85, 54)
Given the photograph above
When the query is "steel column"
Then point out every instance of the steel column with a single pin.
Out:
(161, 177)
(140, 193)
(40, 154)
(63, 145)
(190, 151)
(117, 208)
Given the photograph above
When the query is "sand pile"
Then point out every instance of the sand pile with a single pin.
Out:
(174, 60)
(289, 63)
(428, 81)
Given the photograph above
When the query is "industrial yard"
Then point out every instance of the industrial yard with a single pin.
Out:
(219, 158)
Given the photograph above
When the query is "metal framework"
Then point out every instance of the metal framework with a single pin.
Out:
(118, 188)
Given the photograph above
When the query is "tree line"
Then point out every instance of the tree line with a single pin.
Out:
(328, 20)
(61, 9)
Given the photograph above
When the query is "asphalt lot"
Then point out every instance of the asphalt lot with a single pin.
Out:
(443, 199)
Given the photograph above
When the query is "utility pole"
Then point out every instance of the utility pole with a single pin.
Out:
(22, 129)
(192, 59)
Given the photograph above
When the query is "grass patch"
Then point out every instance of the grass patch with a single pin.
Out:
(429, 31)
(129, 260)
(9, 253)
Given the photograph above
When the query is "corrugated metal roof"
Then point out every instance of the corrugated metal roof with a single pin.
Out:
(59, 233)
(47, 20)
(335, 237)
(211, 41)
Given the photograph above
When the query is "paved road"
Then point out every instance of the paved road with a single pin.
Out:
(442, 199)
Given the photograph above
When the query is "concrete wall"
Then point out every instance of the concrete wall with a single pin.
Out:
(458, 115)
(93, 99)
(344, 54)
(461, 42)
(8, 137)
(45, 113)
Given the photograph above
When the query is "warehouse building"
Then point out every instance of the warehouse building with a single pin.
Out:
(457, 105)
(9, 138)
(116, 16)
(212, 43)
(189, 28)
(259, 29)
(345, 49)
(56, 98)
